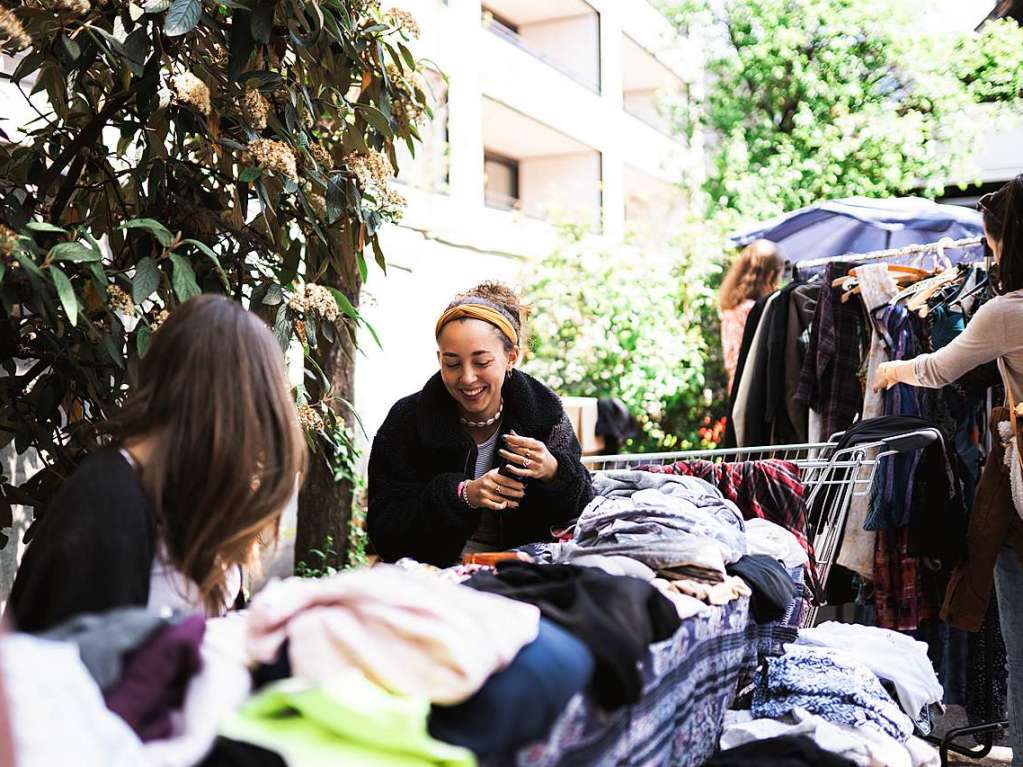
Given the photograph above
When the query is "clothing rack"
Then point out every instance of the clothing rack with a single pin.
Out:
(985, 732)
(910, 250)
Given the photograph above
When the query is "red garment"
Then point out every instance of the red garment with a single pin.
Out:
(901, 597)
(769, 489)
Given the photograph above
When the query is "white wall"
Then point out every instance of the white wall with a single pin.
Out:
(403, 307)
(563, 184)
(644, 105)
(572, 43)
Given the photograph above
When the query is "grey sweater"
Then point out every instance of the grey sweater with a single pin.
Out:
(995, 332)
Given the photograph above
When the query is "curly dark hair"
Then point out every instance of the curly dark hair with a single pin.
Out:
(1003, 221)
(504, 299)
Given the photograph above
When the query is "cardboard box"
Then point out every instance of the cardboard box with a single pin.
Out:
(582, 412)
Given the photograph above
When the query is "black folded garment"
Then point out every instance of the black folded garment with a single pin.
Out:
(773, 589)
(235, 753)
(786, 751)
(616, 617)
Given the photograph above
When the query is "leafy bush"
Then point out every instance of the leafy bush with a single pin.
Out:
(637, 325)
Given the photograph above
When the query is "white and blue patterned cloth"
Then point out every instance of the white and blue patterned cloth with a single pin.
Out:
(831, 687)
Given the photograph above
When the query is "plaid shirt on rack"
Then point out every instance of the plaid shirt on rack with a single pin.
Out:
(770, 489)
(828, 381)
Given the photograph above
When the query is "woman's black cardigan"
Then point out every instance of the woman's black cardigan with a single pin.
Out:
(421, 453)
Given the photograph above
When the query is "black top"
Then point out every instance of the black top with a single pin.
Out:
(616, 617)
(93, 549)
(422, 452)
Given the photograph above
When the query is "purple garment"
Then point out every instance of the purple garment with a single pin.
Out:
(829, 381)
(155, 678)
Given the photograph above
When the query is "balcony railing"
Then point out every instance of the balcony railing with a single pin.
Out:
(513, 37)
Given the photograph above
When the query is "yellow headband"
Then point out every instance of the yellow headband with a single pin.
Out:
(478, 312)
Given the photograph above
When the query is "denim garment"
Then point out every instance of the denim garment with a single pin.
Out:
(891, 506)
(519, 705)
(1009, 589)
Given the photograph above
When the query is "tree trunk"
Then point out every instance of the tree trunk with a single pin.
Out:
(325, 504)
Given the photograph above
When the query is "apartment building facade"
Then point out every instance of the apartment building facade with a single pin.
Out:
(552, 110)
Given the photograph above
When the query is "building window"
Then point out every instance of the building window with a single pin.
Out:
(501, 179)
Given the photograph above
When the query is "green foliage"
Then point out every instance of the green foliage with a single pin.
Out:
(320, 566)
(818, 99)
(633, 325)
(186, 146)
(991, 63)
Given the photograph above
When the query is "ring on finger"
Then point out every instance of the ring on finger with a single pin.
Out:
(526, 462)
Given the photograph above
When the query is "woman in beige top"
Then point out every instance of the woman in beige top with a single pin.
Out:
(995, 538)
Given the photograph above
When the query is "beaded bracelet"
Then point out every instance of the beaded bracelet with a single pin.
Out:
(463, 493)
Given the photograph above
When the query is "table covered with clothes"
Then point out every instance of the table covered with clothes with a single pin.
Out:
(622, 644)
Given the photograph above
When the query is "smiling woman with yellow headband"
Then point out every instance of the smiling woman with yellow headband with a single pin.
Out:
(484, 457)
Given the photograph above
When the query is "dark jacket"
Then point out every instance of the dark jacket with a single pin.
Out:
(422, 452)
(93, 550)
(994, 523)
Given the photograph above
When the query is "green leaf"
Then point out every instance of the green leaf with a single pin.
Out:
(111, 349)
(250, 174)
(212, 256)
(282, 327)
(43, 226)
(263, 20)
(142, 339)
(378, 253)
(241, 43)
(406, 54)
(183, 278)
(373, 333)
(73, 251)
(65, 293)
(376, 118)
(158, 230)
(146, 280)
(344, 304)
(70, 51)
(262, 79)
(274, 295)
(310, 333)
(182, 17)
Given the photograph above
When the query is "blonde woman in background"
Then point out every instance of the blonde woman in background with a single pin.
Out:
(754, 274)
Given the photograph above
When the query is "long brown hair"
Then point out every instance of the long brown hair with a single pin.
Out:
(213, 392)
(1003, 220)
(754, 274)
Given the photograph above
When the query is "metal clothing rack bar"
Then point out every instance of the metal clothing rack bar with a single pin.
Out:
(909, 250)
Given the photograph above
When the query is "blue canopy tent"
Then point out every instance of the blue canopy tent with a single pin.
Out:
(862, 225)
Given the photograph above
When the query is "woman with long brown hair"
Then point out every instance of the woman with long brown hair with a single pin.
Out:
(205, 455)
(754, 274)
